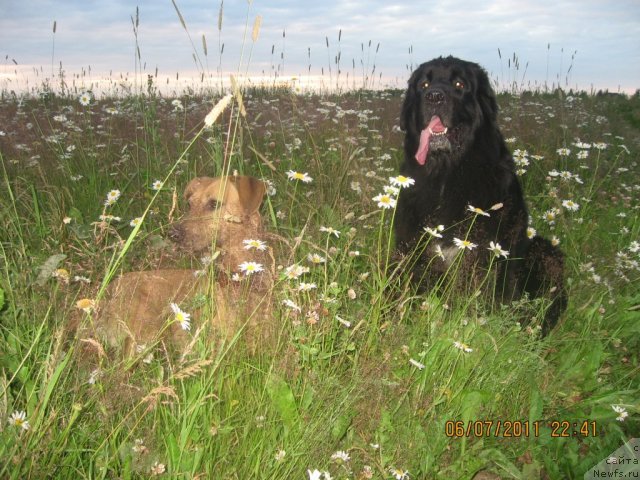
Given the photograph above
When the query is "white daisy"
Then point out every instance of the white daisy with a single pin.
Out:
(303, 177)
(464, 244)
(181, 317)
(257, 244)
(249, 268)
(402, 181)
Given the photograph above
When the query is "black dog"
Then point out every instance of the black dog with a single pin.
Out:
(454, 151)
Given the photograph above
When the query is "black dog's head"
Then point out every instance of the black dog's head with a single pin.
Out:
(448, 102)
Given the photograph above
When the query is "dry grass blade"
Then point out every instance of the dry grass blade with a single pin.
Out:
(96, 345)
(217, 110)
(192, 370)
(238, 94)
(264, 159)
(184, 25)
(153, 397)
(220, 16)
(256, 28)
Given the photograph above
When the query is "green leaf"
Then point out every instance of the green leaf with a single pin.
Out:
(341, 425)
(48, 267)
(283, 401)
(535, 408)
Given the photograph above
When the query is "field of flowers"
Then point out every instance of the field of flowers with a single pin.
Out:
(368, 379)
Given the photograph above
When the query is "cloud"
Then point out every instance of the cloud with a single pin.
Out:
(606, 36)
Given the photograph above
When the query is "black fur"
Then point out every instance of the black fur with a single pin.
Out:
(468, 165)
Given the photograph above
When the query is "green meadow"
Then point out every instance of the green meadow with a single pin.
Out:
(368, 379)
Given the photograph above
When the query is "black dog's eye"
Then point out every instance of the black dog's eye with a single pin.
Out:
(213, 204)
(458, 84)
(425, 85)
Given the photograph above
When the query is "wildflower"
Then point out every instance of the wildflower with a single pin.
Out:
(135, 222)
(294, 271)
(634, 247)
(305, 287)
(435, 232)
(402, 181)
(417, 364)
(600, 145)
(303, 177)
(462, 244)
(61, 274)
(550, 216)
(497, 250)
(355, 186)
(112, 197)
(257, 244)
(139, 446)
(330, 231)
(177, 105)
(280, 454)
(391, 190)
(563, 152)
(477, 210)
(399, 473)
(215, 112)
(315, 258)
(621, 411)
(463, 346)
(157, 185)
(86, 305)
(157, 469)
(85, 99)
(570, 205)
(385, 201)
(271, 188)
(19, 419)
(531, 232)
(555, 241)
(109, 218)
(292, 305)
(315, 474)
(440, 253)
(367, 472)
(344, 322)
(94, 375)
(340, 457)
(183, 318)
(249, 268)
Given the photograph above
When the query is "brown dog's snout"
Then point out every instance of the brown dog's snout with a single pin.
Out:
(435, 96)
(176, 233)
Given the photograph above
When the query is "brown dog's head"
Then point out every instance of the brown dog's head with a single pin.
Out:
(222, 212)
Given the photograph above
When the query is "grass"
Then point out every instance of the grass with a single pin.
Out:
(365, 366)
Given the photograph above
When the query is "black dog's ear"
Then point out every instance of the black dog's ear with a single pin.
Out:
(485, 95)
(409, 113)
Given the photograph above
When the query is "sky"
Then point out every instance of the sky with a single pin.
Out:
(585, 44)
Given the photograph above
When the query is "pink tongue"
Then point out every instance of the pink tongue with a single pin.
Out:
(435, 126)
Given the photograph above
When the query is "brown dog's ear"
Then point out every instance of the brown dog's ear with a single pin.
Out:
(250, 192)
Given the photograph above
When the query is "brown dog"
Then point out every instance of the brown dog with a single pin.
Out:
(140, 308)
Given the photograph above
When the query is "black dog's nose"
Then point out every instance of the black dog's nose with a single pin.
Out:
(435, 96)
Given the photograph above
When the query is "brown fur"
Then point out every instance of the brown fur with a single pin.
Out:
(222, 213)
